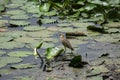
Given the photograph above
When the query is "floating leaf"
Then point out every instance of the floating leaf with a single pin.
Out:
(3, 22)
(20, 17)
(51, 53)
(19, 23)
(33, 28)
(64, 24)
(2, 52)
(6, 60)
(11, 45)
(79, 24)
(45, 7)
(23, 78)
(97, 70)
(47, 21)
(95, 78)
(14, 12)
(5, 71)
(2, 8)
(12, 6)
(26, 40)
(23, 66)
(52, 13)
(5, 39)
(20, 53)
(50, 39)
(47, 45)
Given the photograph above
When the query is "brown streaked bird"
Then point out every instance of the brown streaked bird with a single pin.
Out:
(65, 42)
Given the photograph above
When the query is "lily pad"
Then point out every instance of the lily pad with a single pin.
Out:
(33, 28)
(47, 21)
(6, 60)
(20, 17)
(51, 39)
(45, 7)
(12, 5)
(23, 78)
(26, 40)
(14, 12)
(98, 70)
(20, 53)
(11, 45)
(43, 33)
(2, 52)
(113, 25)
(3, 22)
(23, 66)
(47, 45)
(79, 24)
(19, 23)
(66, 29)
(64, 24)
(95, 78)
(5, 71)
(52, 13)
(5, 39)
(2, 8)
(33, 9)
(51, 53)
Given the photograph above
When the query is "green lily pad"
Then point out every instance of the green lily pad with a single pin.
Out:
(26, 40)
(66, 29)
(23, 78)
(51, 39)
(113, 30)
(20, 53)
(97, 70)
(6, 60)
(5, 71)
(33, 28)
(11, 45)
(52, 28)
(13, 34)
(52, 52)
(79, 24)
(113, 25)
(47, 21)
(18, 1)
(20, 17)
(45, 7)
(47, 45)
(64, 24)
(23, 66)
(19, 23)
(5, 39)
(2, 8)
(14, 12)
(3, 22)
(12, 5)
(52, 13)
(95, 78)
(33, 9)
(2, 52)
(43, 33)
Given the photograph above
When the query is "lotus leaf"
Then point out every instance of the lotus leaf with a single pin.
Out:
(14, 34)
(20, 53)
(12, 5)
(98, 70)
(64, 24)
(3, 22)
(53, 29)
(5, 71)
(47, 45)
(45, 7)
(19, 23)
(5, 39)
(43, 33)
(52, 13)
(6, 60)
(2, 8)
(23, 78)
(11, 45)
(33, 9)
(23, 66)
(51, 39)
(33, 28)
(26, 40)
(47, 21)
(15, 12)
(2, 52)
(95, 78)
(80, 24)
(51, 53)
(19, 17)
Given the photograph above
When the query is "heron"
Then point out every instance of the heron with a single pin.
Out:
(65, 42)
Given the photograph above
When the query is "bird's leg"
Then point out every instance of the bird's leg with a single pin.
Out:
(64, 49)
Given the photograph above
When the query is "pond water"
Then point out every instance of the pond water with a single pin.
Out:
(25, 27)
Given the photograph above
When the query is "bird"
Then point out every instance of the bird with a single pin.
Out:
(65, 42)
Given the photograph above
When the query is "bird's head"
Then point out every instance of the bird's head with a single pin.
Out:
(61, 35)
